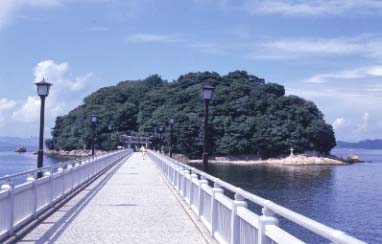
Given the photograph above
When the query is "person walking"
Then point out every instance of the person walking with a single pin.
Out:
(143, 151)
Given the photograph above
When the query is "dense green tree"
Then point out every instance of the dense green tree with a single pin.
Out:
(247, 116)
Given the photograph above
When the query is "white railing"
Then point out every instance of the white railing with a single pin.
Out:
(229, 221)
(22, 200)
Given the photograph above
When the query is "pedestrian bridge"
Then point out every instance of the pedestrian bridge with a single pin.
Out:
(122, 198)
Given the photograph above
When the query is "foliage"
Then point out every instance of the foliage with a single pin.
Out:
(247, 116)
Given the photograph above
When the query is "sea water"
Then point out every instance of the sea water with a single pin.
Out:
(348, 197)
(13, 162)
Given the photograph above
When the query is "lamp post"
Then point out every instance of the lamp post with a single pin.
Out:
(43, 88)
(171, 121)
(94, 120)
(109, 136)
(206, 95)
(160, 139)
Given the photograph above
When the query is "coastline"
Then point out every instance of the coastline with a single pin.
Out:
(290, 160)
(72, 153)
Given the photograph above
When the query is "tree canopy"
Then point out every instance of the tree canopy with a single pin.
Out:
(247, 116)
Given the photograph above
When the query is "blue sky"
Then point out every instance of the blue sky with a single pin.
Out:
(327, 51)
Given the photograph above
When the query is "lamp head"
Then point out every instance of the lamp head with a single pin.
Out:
(207, 92)
(94, 118)
(43, 88)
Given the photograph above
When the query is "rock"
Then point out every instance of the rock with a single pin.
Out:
(73, 153)
(290, 160)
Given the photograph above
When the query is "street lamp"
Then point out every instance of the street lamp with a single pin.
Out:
(94, 120)
(161, 129)
(206, 95)
(171, 121)
(109, 136)
(43, 88)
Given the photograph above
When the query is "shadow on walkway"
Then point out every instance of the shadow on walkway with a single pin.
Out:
(59, 226)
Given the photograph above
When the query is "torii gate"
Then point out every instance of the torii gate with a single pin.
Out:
(129, 140)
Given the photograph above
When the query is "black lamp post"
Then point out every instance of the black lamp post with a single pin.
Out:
(109, 137)
(160, 139)
(94, 120)
(43, 91)
(171, 121)
(206, 95)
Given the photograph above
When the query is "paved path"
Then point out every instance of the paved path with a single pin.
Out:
(129, 204)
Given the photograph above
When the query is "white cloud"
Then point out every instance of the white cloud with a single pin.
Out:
(29, 112)
(50, 70)
(363, 126)
(358, 73)
(339, 122)
(298, 8)
(312, 7)
(58, 74)
(348, 103)
(60, 99)
(9, 8)
(201, 46)
(220, 3)
(5, 106)
(365, 122)
(151, 38)
(363, 45)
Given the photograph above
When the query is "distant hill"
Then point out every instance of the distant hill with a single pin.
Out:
(10, 143)
(366, 144)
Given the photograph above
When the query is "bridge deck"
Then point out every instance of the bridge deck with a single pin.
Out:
(131, 203)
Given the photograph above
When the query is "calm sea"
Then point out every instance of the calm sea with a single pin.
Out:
(12, 162)
(345, 197)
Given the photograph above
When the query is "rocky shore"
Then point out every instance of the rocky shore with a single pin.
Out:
(290, 160)
(72, 153)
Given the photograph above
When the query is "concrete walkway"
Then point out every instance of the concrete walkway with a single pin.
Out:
(130, 204)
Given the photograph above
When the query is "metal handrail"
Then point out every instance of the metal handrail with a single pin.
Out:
(320, 229)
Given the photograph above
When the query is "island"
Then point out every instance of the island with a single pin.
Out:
(248, 116)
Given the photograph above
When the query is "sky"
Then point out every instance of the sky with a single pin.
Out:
(326, 51)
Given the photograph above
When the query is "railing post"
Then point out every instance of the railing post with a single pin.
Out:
(171, 174)
(71, 177)
(214, 207)
(77, 174)
(180, 180)
(94, 168)
(186, 174)
(267, 218)
(176, 183)
(7, 187)
(50, 193)
(235, 221)
(192, 177)
(34, 189)
(202, 182)
(60, 171)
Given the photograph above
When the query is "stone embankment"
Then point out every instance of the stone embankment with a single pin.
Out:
(290, 160)
(72, 153)
(304, 160)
